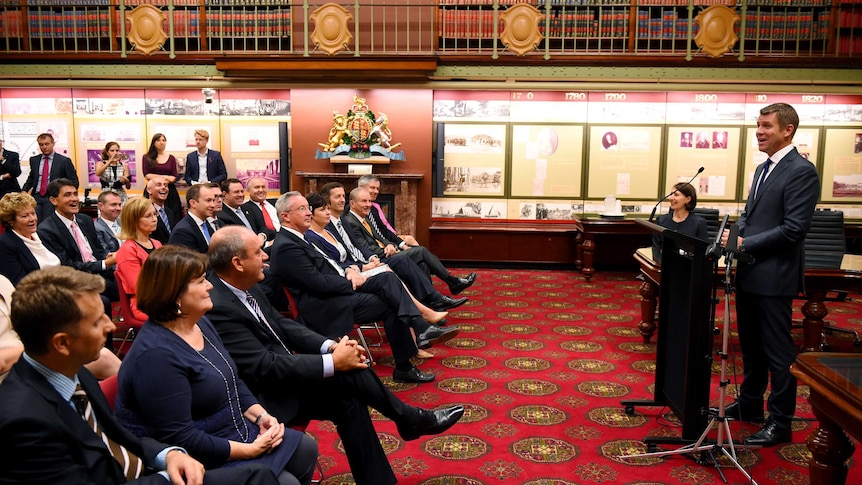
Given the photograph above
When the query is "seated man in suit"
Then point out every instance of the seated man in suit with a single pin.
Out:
(194, 230)
(406, 269)
(204, 165)
(331, 299)
(372, 184)
(53, 407)
(299, 374)
(72, 237)
(44, 168)
(384, 243)
(264, 218)
(157, 189)
(108, 222)
(235, 213)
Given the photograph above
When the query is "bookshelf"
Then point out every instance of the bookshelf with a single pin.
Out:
(94, 25)
(767, 27)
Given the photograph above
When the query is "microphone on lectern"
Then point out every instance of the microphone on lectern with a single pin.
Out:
(652, 214)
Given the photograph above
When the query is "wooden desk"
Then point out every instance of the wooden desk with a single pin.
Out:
(617, 236)
(835, 381)
(818, 282)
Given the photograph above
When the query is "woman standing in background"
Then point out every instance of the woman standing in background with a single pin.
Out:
(158, 162)
(113, 175)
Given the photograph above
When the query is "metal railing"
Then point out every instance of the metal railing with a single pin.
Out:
(219, 28)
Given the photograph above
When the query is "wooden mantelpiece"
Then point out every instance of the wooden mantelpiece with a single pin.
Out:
(403, 185)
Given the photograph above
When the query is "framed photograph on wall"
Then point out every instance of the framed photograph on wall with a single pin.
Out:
(842, 165)
(547, 160)
(716, 148)
(624, 161)
(474, 158)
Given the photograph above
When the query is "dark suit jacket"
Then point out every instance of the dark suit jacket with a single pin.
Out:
(46, 441)
(273, 375)
(107, 239)
(187, 233)
(377, 224)
(257, 221)
(323, 297)
(774, 225)
(361, 238)
(367, 253)
(11, 165)
(62, 167)
(215, 167)
(228, 217)
(59, 241)
(16, 260)
(161, 234)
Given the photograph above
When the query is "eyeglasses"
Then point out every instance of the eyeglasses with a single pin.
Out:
(301, 208)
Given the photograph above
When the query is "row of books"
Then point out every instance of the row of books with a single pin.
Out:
(10, 24)
(850, 18)
(848, 45)
(475, 24)
(248, 3)
(587, 26)
(237, 23)
(91, 24)
(786, 26)
(684, 3)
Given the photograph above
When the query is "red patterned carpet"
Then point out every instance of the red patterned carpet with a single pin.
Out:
(541, 364)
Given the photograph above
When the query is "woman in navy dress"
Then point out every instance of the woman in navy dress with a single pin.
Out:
(180, 385)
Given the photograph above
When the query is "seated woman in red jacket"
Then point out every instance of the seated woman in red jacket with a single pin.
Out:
(137, 222)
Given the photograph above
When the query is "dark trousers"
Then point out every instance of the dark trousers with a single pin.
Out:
(767, 350)
(414, 277)
(426, 260)
(344, 399)
(383, 297)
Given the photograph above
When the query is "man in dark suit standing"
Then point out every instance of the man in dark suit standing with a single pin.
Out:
(204, 165)
(772, 230)
(52, 404)
(331, 299)
(10, 170)
(299, 374)
(194, 230)
(72, 236)
(384, 243)
(157, 189)
(43, 169)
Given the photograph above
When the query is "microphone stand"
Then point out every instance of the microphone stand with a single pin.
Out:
(655, 207)
(719, 422)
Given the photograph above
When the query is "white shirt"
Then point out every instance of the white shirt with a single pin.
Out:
(203, 177)
(273, 215)
(43, 256)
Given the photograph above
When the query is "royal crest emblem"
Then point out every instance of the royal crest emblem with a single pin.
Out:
(359, 134)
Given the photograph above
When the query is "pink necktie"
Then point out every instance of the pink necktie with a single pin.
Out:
(86, 253)
(46, 171)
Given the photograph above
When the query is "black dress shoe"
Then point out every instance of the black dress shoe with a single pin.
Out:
(461, 284)
(446, 303)
(770, 434)
(432, 422)
(751, 414)
(435, 335)
(413, 376)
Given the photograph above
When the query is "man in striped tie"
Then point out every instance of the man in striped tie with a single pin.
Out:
(56, 424)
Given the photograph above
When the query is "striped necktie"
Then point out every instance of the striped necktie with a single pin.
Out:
(357, 255)
(130, 463)
(252, 302)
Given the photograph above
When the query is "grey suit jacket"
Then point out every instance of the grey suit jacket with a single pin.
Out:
(107, 239)
(774, 225)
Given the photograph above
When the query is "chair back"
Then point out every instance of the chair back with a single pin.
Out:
(293, 311)
(825, 243)
(129, 319)
(110, 388)
(711, 218)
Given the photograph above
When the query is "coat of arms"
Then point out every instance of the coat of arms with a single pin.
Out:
(359, 134)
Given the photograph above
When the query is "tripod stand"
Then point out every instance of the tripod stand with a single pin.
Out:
(724, 439)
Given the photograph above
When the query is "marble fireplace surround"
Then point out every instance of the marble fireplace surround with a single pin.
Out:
(403, 186)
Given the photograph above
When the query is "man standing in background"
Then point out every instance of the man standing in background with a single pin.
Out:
(43, 169)
(204, 165)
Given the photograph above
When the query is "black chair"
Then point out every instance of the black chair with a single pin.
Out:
(711, 218)
(825, 246)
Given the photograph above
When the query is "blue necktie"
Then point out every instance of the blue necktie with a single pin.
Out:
(206, 230)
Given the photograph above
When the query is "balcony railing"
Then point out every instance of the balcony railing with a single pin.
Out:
(448, 28)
